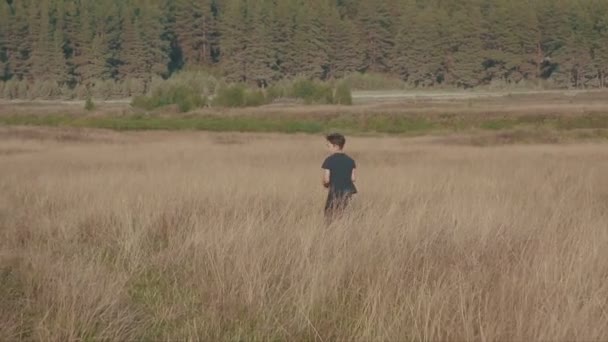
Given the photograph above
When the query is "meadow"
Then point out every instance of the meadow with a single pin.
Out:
(108, 235)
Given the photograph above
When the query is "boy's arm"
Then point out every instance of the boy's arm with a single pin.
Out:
(326, 174)
(353, 176)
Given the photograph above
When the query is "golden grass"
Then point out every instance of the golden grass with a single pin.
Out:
(165, 236)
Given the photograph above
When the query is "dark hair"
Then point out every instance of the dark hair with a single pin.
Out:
(336, 139)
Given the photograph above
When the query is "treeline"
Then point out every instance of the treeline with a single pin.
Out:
(119, 47)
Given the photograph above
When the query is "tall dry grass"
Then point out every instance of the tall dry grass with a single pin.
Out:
(161, 236)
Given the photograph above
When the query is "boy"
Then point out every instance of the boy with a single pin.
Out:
(338, 176)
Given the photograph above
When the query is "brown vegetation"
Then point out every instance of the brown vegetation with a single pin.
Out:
(422, 103)
(220, 237)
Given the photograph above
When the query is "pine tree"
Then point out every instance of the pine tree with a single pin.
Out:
(4, 40)
(377, 40)
(41, 49)
(461, 42)
(81, 33)
(57, 70)
(132, 49)
(260, 56)
(573, 57)
(600, 52)
(235, 40)
(601, 62)
(19, 46)
(465, 57)
(417, 54)
(283, 31)
(108, 28)
(58, 63)
(152, 29)
(309, 44)
(514, 44)
(342, 42)
(194, 26)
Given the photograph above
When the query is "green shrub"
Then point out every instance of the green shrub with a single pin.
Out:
(230, 96)
(23, 90)
(197, 80)
(10, 89)
(89, 105)
(312, 92)
(143, 102)
(303, 89)
(188, 100)
(254, 98)
(44, 90)
(185, 98)
(343, 94)
(237, 95)
(276, 91)
(104, 89)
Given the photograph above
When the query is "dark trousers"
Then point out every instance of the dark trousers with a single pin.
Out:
(335, 204)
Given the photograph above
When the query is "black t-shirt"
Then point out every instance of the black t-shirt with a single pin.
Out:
(340, 177)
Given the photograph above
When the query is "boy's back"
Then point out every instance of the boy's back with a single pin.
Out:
(341, 168)
(338, 176)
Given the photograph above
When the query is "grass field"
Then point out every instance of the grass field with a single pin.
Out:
(536, 117)
(219, 236)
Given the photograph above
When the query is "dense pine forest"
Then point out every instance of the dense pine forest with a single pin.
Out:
(50, 47)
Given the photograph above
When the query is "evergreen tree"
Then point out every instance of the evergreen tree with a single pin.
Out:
(464, 43)
(377, 40)
(235, 40)
(573, 56)
(417, 55)
(600, 47)
(4, 40)
(465, 56)
(194, 27)
(132, 49)
(342, 45)
(19, 46)
(309, 44)
(514, 44)
(260, 55)
(81, 34)
(41, 49)
(283, 31)
(152, 28)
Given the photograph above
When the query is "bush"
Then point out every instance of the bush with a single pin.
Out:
(188, 100)
(230, 96)
(185, 98)
(199, 81)
(312, 92)
(254, 98)
(22, 90)
(237, 95)
(44, 90)
(133, 87)
(343, 94)
(10, 89)
(277, 91)
(89, 105)
(142, 102)
(104, 89)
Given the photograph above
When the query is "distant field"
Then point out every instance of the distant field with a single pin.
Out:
(549, 116)
(219, 236)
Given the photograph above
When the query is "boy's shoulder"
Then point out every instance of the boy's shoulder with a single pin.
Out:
(347, 157)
